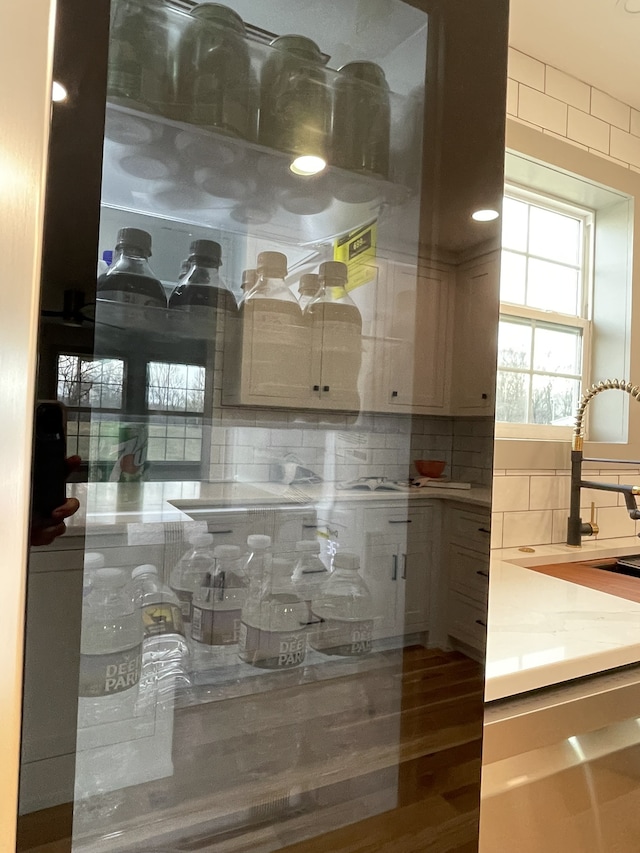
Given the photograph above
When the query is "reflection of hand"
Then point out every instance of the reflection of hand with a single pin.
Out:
(46, 535)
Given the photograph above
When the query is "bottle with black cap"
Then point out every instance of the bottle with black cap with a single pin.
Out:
(130, 278)
(202, 287)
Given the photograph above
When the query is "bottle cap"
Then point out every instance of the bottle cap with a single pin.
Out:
(346, 560)
(201, 540)
(299, 44)
(135, 238)
(215, 13)
(309, 284)
(310, 545)
(249, 278)
(93, 560)
(257, 541)
(208, 250)
(106, 578)
(230, 552)
(146, 569)
(334, 270)
(368, 72)
(272, 264)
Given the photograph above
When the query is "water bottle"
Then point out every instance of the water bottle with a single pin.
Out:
(93, 561)
(165, 653)
(110, 651)
(309, 573)
(343, 612)
(217, 605)
(272, 631)
(189, 574)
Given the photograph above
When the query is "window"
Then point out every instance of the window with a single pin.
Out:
(543, 340)
(99, 399)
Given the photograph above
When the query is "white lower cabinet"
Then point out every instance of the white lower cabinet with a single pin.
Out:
(468, 533)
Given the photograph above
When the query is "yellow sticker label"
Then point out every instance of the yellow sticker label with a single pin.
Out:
(357, 250)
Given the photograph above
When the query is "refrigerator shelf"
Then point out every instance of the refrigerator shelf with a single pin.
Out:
(183, 173)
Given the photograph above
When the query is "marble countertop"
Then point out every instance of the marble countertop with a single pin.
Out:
(116, 504)
(544, 630)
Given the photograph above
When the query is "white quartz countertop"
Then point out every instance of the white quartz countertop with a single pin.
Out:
(543, 630)
(109, 504)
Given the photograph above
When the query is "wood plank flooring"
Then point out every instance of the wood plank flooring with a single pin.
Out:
(382, 761)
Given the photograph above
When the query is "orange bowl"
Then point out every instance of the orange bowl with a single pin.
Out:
(429, 467)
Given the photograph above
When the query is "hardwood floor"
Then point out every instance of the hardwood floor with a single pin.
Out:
(386, 760)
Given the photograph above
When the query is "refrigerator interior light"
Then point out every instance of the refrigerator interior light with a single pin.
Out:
(58, 92)
(485, 215)
(307, 165)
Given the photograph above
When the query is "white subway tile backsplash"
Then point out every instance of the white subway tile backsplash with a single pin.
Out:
(526, 70)
(549, 492)
(625, 146)
(566, 139)
(512, 97)
(527, 528)
(510, 493)
(588, 130)
(540, 109)
(614, 522)
(497, 520)
(635, 122)
(568, 89)
(610, 110)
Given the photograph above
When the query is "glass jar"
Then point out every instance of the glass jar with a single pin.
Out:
(216, 86)
(361, 119)
(295, 101)
(141, 44)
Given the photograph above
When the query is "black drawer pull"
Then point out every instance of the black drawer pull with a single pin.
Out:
(480, 622)
(316, 387)
(325, 388)
(484, 530)
(394, 393)
(400, 520)
(483, 574)
(220, 532)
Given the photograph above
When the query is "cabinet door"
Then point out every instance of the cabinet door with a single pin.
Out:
(475, 351)
(381, 573)
(415, 340)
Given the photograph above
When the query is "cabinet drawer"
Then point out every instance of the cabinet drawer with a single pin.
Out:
(467, 621)
(469, 573)
(471, 529)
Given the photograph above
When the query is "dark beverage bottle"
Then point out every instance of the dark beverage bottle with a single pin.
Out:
(130, 278)
(202, 287)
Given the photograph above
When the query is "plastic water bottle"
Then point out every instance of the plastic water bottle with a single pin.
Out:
(272, 632)
(190, 573)
(93, 561)
(110, 651)
(343, 611)
(309, 574)
(217, 605)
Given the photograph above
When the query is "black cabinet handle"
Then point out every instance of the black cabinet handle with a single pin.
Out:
(484, 530)
(480, 622)
(220, 532)
(404, 567)
(400, 521)
(483, 574)
(325, 388)
(485, 396)
(394, 563)
(316, 387)
(394, 393)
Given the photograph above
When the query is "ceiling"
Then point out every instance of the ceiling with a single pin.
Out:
(594, 40)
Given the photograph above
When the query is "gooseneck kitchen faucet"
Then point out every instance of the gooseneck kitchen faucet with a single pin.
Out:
(576, 528)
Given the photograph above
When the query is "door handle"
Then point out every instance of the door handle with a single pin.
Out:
(394, 563)
(404, 567)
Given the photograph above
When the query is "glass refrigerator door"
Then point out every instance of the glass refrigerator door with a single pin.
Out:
(264, 627)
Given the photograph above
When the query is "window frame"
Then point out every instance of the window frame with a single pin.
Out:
(583, 320)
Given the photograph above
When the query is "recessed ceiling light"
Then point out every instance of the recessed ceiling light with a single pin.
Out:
(307, 165)
(58, 92)
(485, 215)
